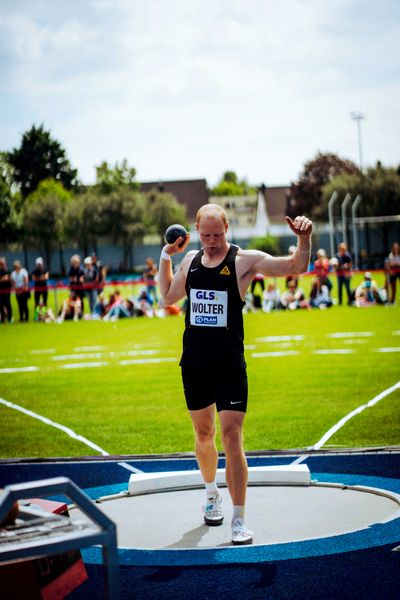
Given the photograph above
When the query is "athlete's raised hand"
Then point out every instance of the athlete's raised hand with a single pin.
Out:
(301, 226)
(178, 246)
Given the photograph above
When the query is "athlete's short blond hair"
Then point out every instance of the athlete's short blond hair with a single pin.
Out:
(211, 210)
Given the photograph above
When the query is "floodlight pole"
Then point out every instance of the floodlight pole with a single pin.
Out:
(354, 207)
(331, 202)
(358, 117)
(344, 219)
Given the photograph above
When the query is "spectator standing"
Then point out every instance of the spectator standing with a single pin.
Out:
(322, 267)
(40, 276)
(101, 273)
(343, 272)
(392, 267)
(5, 292)
(20, 284)
(76, 277)
(90, 279)
(149, 278)
(257, 279)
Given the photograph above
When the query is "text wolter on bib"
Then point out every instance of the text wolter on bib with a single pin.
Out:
(208, 308)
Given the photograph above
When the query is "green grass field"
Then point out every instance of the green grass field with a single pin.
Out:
(126, 404)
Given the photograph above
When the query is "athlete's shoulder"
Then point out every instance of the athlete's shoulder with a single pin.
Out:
(187, 261)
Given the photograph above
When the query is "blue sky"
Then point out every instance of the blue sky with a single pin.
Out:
(191, 88)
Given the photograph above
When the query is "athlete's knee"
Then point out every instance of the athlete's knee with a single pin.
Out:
(205, 435)
(232, 437)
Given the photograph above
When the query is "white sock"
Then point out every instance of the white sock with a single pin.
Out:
(211, 488)
(238, 512)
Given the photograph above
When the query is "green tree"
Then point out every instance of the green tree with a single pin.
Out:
(230, 185)
(8, 215)
(306, 193)
(40, 157)
(268, 243)
(84, 220)
(43, 215)
(110, 179)
(379, 188)
(164, 210)
(123, 219)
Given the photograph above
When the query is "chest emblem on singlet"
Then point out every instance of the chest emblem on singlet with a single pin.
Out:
(208, 308)
(225, 271)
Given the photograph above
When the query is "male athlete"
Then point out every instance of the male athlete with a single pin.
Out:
(215, 280)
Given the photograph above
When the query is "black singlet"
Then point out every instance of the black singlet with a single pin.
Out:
(214, 345)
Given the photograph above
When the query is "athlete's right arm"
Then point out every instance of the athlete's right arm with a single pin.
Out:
(172, 287)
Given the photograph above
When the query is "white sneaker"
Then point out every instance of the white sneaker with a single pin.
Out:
(240, 534)
(212, 510)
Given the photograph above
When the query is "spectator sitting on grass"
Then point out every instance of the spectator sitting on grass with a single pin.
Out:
(114, 299)
(99, 309)
(271, 298)
(319, 295)
(368, 292)
(294, 297)
(43, 314)
(71, 308)
(121, 310)
(143, 305)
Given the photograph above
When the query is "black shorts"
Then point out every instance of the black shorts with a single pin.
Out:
(224, 386)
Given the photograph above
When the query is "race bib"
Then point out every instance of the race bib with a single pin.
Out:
(208, 308)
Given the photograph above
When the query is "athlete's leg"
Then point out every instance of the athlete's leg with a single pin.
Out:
(236, 463)
(236, 472)
(206, 451)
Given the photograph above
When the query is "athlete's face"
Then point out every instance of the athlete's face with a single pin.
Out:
(212, 231)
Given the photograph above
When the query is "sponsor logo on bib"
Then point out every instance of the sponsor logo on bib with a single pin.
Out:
(208, 308)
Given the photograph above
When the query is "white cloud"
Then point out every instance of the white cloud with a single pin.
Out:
(189, 89)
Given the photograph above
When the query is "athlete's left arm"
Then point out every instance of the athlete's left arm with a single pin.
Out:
(278, 266)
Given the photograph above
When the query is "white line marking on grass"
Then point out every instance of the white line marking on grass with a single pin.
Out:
(346, 334)
(47, 421)
(44, 351)
(145, 361)
(91, 365)
(60, 357)
(334, 351)
(387, 349)
(396, 332)
(88, 348)
(19, 369)
(125, 465)
(354, 412)
(140, 352)
(111, 354)
(274, 354)
(281, 338)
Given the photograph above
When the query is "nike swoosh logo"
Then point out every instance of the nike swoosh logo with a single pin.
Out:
(191, 270)
(238, 402)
